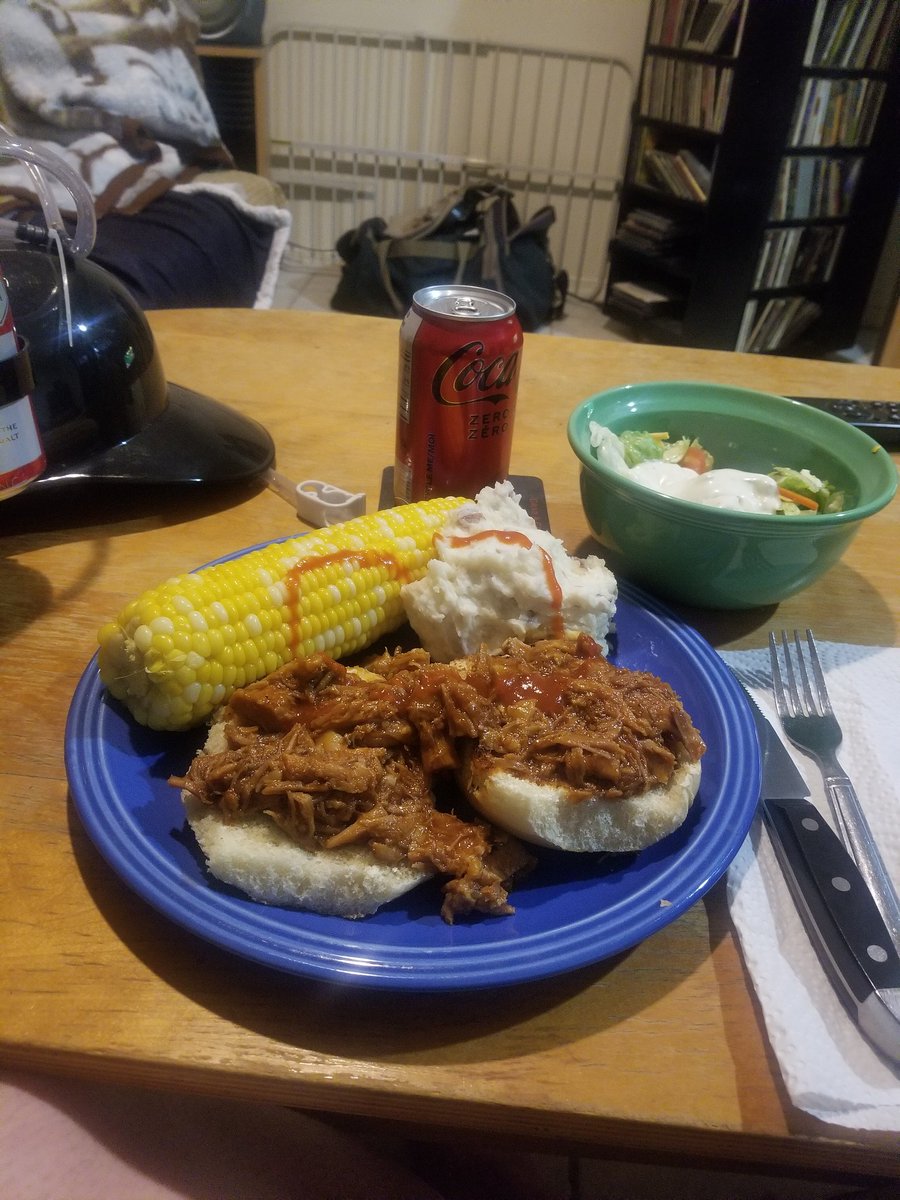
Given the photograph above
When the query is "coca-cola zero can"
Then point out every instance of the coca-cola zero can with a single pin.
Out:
(460, 350)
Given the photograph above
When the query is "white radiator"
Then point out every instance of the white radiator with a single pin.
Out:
(381, 124)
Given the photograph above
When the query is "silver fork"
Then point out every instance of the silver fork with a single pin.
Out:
(808, 719)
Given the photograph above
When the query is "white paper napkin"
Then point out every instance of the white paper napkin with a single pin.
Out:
(829, 1069)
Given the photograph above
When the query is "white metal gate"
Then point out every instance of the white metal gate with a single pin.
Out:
(381, 124)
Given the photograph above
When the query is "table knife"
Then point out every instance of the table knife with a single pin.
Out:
(835, 905)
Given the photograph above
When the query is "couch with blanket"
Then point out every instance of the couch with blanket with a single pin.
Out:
(115, 89)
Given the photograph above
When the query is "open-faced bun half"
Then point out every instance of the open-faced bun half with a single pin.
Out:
(252, 854)
(548, 815)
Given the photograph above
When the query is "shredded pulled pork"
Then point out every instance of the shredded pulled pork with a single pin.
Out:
(567, 715)
(335, 756)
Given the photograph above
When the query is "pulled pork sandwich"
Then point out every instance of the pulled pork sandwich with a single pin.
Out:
(317, 785)
(584, 755)
(314, 790)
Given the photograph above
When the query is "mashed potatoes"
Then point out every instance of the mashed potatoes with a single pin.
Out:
(496, 575)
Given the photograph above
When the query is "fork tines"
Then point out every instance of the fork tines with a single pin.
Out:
(809, 722)
(798, 701)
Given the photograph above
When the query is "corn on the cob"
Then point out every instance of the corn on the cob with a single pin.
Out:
(179, 650)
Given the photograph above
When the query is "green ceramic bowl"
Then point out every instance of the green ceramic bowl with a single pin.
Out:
(712, 557)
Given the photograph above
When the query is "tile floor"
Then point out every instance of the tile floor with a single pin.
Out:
(301, 287)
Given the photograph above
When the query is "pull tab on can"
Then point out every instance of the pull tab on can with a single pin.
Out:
(21, 454)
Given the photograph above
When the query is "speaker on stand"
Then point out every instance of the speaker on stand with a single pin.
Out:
(230, 22)
(230, 49)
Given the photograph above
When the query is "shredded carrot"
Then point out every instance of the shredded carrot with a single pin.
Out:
(803, 501)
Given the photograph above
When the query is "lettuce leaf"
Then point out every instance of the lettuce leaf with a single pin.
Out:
(803, 483)
(639, 446)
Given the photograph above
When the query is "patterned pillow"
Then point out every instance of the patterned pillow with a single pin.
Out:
(116, 90)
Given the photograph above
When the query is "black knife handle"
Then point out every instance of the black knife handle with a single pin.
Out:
(833, 897)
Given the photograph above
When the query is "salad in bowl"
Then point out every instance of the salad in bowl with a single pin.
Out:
(684, 468)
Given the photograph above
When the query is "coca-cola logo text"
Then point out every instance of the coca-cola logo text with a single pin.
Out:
(465, 376)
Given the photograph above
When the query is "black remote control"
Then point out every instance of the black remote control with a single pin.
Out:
(880, 421)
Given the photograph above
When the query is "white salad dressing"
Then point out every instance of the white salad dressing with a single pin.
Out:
(723, 487)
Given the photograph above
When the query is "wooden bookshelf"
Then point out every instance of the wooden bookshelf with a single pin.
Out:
(763, 170)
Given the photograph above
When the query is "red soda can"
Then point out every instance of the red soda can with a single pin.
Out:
(21, 453)
(460, 349)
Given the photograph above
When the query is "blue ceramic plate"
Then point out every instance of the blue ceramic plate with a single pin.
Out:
(573, 910)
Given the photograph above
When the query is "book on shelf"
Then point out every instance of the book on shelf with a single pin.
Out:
(708, 26)
(796, 315)
(800, 317)
(815, 186)
(722, 98)
(748, 320)
(662, 225)
(657, 235)
(711, 24)
(796, 256)
(685, 93)
(672, 174)
(700, 171)
(705, 20)
(776, 324)
(771, 257)
(879, 34)
(641, 300)
(695, 189)
(661, 173)
(852, 34)
(816, 254)
(849, 49)
(666, 20)
(836, 112)
(806, 179)
(646, 230)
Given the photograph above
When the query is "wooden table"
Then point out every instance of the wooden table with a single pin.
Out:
(658, 1051)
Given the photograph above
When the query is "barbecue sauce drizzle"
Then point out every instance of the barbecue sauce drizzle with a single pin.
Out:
(371, 558)
(512, 537)
(358, 558)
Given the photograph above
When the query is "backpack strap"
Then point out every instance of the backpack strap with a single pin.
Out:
(413, 248)
(382, 249)
(388, 248)
(459, 205)
(459, 252)
(495, 235)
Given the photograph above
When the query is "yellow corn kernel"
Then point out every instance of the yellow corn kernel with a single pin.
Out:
(177, 652)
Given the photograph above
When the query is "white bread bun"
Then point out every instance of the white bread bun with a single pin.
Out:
(252, 854)
(546, 815)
